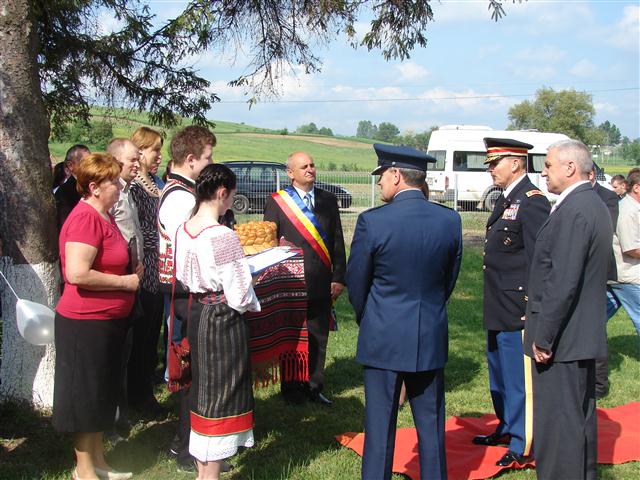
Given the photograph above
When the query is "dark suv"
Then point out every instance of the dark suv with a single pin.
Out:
(257, 180)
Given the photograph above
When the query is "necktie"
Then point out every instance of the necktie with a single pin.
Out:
(308, 202)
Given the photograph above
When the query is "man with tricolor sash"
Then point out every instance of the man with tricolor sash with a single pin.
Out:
(510, 238)
(308, 217)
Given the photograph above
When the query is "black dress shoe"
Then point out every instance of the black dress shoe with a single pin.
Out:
(317, 397)
(294, 397)
(511, 457)
(492, 440)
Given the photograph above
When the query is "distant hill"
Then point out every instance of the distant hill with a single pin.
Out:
(237, 141)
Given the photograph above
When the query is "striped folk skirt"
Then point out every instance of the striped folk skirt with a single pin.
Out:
(221, 395)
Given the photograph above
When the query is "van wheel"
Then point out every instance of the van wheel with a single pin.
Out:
(491, 199)
(240, 204)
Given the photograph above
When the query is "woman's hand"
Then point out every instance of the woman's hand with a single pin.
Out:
(131, 282)
(79, 271)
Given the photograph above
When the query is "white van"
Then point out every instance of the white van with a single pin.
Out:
(460, 154)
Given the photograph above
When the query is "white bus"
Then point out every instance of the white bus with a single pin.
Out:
(460, 154)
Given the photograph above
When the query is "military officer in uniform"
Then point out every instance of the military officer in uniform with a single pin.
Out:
(404, 262)
(511, 234)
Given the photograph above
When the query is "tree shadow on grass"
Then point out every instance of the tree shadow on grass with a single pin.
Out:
(460, 371)
(31, 448)
(293, 436)
(25, 434)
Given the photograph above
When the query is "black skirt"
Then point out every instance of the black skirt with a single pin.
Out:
(88, 373)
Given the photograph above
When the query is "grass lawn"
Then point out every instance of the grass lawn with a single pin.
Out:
(297, 442)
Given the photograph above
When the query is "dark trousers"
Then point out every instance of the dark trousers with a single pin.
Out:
(602, 375)
(318, 314)
(181, 307)
(564, 420)
(122, 412)
(509, 375)
(425, 391)
(144, 351)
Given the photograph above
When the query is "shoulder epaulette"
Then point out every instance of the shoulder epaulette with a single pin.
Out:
(533, 192)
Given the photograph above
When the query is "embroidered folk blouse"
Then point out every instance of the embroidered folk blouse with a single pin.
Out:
(212, 261)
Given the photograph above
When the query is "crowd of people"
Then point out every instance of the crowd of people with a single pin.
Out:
(139, 252)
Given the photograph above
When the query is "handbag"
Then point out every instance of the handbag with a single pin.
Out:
(178, 353)
(179, 365)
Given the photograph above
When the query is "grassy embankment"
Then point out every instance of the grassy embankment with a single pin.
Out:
(244, 142)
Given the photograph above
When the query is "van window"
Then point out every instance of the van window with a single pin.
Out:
(440, 156)
(537, 162)
(469, 161)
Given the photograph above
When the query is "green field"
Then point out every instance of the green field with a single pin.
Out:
(298, 442)
(237, 141)
(244, 142)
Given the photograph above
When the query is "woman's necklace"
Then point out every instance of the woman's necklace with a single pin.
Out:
(147, 184)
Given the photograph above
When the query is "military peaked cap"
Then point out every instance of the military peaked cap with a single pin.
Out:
(400, 157)
(504, 147)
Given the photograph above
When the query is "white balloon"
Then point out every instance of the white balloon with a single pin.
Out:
(35, 322)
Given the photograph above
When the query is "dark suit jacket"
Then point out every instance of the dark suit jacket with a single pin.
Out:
(510, 240)
(404, 263)
(611, 200)
(566, 310)
(316, 274)
(67, 197)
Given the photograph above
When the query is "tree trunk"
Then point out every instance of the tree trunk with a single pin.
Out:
(28, 248)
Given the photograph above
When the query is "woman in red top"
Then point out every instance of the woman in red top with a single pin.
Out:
(91, 316)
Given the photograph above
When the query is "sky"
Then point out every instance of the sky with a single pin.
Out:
(471, 71)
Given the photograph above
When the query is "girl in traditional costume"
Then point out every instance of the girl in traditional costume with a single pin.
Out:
(211, 265)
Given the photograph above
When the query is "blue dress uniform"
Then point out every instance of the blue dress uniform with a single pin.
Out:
(404, 262)
(509, 245)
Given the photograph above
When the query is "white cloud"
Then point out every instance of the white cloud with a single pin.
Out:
(411, 71)
(488, 51)
(533, 73)
(539, 19)
(626, 34)
(460, 11)
(606, 108)
(584, 68)
(468, 99)
(541, 54)
(108, 23)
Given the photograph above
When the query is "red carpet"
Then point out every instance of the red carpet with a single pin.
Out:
(618, 442)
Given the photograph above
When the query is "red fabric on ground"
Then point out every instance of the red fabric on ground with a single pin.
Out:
(618, 434)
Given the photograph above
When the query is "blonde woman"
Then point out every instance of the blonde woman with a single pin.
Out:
(144, 357)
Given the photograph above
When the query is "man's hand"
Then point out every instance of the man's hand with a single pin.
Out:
(336, 290)
(541, 355)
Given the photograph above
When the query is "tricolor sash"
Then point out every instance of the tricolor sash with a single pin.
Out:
(304, 221)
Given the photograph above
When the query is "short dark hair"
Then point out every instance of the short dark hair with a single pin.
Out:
(618, 178)
(74, 152)
(190, 140)
(633, 178)
(413, 178)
